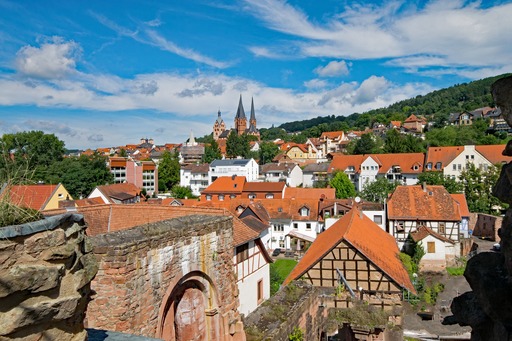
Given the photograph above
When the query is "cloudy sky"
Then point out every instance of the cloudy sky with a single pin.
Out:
(106, 73)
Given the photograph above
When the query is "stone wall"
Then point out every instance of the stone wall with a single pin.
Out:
(148, 273)
(487, 226)
(45, 273)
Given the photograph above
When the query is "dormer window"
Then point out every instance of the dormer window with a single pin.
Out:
(221, 197)
(438, 165)
(208, 197)
(269, 196)
(252, 195)
(429, 165)
(304, 211)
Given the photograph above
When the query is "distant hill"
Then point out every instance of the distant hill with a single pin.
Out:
(437, 105)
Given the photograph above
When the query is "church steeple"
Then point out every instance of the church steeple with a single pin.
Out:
(218, 127)
(252, 120)
(240, 119)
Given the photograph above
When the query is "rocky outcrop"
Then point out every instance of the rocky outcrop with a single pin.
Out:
(45, 272)
(487, 307)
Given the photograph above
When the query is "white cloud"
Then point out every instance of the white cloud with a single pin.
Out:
(52, 60)
(316, 83)
(442, 33)
(333, 69)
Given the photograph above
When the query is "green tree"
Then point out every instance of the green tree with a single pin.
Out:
(211, 152)
(343, 186)
(168, 170)
(37, 149)
(477, 186)
(438, 178)
(122, 153)
(268, 151)
(80, 175)
(182, 192)
(378, 190)
(367, 144)
(393, 142)
(237, 145)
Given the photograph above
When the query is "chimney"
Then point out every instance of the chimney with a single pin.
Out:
(424, 186)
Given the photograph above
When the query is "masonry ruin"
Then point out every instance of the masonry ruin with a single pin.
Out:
(45, 272)
(171, 279)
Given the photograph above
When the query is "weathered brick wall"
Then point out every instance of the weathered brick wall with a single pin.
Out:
(140, 268)
(45, 273)
(486, 226)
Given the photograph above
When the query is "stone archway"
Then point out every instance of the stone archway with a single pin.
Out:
(189, 310)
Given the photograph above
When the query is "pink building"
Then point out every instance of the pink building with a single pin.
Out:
(143, 174)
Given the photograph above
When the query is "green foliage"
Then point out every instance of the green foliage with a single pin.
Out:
(182, 192)
(455, 271)
(343, 186)
(438, 178)
(237, 145)
(477, 185)
(437, 105)
(368, 144)
(363, 315)
(35, 148)
(272, 134)
(378, 190)
(211, 151)
(122, 153)
(279, 270)
(296, 335)
(14, 215)
(79, 175)
(168, 171)
(268, 151)
(407, 262)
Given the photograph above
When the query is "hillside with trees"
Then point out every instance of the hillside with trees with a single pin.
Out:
(436, 105)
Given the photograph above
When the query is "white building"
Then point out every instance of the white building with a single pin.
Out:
(195, 176)
(240, 167)
(289, 173)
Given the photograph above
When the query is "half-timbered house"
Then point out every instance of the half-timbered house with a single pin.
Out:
(357, 253)
(410, 207)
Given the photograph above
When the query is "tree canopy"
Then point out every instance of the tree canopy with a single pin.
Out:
(168, 171)
(237, 145)
(343, 186)
(378, 190)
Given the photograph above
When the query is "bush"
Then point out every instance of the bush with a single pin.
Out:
(455, 271)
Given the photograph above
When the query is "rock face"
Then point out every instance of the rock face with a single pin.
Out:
(45, 275)
(487, 307)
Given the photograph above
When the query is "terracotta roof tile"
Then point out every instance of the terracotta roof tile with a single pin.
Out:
(422, 232)
(310, 193)
(444, 155)
(31, 196)
(120, 191)
(408, 162)
(413, 203)
(493, 153)
(460, 198)
(264, 187)
(363, 234)
(332, 134)
(197, 168)
(343, 162)
(226, 184)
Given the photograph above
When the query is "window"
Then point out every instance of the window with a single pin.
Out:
(377, 219)
(431, 247)
(399, 226)
(232, 196)
(208, 197)
(454, 167)
(441, 228)
(295, 225)
(260, 291)
(429, 165)
(278, 227)
(252, 196)
(308, 226)
(242, 253)
(438, 165)
(269, 196)
(221, 197)
(459, 166)
(304, 211)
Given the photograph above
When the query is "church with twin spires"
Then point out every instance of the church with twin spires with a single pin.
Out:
(219, 127)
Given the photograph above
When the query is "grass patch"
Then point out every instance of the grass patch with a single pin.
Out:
(284, 266)
(456, 271)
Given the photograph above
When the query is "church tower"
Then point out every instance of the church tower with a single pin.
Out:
(240, 119)
(252, 122)
(218, 127)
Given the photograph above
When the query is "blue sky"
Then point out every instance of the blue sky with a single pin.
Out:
(106, 73)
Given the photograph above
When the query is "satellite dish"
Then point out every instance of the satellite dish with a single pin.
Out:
(357, 200)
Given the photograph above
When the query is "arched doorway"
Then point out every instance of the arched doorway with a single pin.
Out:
(189, 310)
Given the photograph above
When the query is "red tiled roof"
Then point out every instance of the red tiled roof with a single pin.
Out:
(460, 198)
(432, 204)
(121, 191)
(31, 196)
(406, 162)
(363, 234)
(242, 233)
(88, 202)
(422, 232)
(226, 184)
(445, 155)
(332, 134)
(342, 162)
(197, 168)
(397, 124)
(310, 193)
(412, 118)
(493, 153)
(264, 187)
